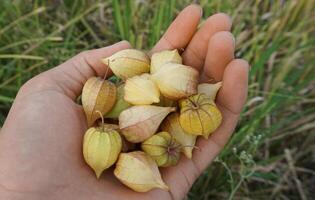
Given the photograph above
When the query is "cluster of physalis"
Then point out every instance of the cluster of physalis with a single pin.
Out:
(158, 104)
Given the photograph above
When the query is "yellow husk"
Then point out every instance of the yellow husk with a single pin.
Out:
(101, 148)
(199, 115)
(176, 81)
(141, 90)
(171, 125)
(209, 89)
(128, 63)
(162, 148)
(139, 172)
(138, 123)
(97, 95)
(160, 58)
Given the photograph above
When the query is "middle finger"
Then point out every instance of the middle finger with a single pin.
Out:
(196, 51)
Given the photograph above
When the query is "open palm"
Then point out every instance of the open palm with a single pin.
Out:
(41, 140)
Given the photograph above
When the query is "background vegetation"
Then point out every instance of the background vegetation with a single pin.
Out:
(271, 155)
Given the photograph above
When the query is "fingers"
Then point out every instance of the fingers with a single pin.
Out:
(181, 30)
(220, 53)
(70, 76)
(233, 93)
(196, 51)
(230, 101)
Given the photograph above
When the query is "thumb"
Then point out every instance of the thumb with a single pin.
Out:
(69, 77)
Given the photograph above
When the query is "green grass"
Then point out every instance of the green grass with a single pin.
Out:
(270, 154)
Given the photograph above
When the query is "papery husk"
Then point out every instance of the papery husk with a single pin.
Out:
(128, 63)
(139, 172)
(176, 81)
(141, 90)
(97, 95)
(171, 125)
(163, 148)
(158, 59)
(209, 89)
(101, 147)
(120, 104)
(199, 115)
(126, 145)
(138, 123)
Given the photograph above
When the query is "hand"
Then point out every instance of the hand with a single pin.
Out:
(41, 140)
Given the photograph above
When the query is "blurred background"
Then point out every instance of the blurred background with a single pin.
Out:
(272, 153)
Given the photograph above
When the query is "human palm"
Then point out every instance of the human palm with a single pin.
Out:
(41, 140)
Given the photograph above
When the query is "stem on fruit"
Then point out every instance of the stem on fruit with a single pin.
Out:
(103, 127)
(194, 105)
(106, 70)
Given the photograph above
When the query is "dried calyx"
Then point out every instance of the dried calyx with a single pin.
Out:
(126, 146)
(128, 63)
(160, 58)
(138, 123)
(101, 147)
(209, 89)
(97, 94)
(199, 115)
(176, 81)
(139, 172)
(171, 125)
(163, 148)
(141, 90)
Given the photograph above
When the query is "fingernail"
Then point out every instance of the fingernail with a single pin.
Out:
(199, 7)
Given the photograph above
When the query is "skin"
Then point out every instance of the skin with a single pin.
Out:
(41, 140)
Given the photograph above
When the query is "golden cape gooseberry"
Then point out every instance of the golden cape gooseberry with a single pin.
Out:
(141, 90)
(101, 147)
(158, 59)
(128, 63)
(209, 89)
(138, 123)
(163, 148)
(176, 81)
(139, 172)
(97, 95)
(171, 125)
(199, 115)
(126, 146)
